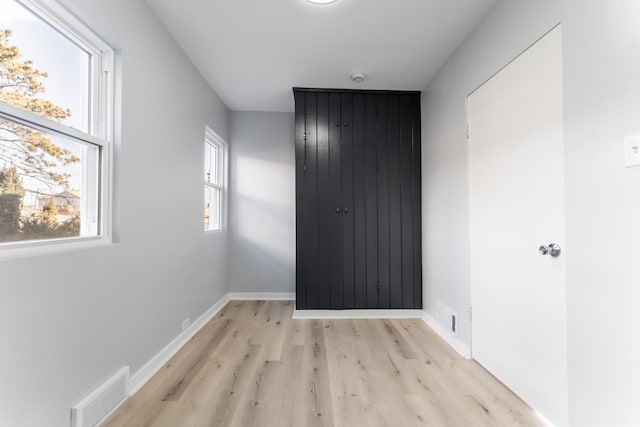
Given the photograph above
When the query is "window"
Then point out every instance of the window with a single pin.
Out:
(215, 152)
(55, 125)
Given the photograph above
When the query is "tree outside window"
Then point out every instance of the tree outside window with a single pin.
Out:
(34, 181)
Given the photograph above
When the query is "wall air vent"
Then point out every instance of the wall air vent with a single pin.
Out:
(447, 318)
(94, 409)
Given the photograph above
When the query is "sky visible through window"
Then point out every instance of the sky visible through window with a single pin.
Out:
(48, 183)
(67, 66)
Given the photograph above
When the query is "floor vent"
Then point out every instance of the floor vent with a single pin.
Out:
(448, 318)
(102, 402)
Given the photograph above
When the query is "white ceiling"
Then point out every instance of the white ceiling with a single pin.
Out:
(252, 52)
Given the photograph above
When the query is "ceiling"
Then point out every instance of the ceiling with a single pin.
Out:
(252, 52)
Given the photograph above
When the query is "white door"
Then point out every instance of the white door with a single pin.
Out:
(516, 173)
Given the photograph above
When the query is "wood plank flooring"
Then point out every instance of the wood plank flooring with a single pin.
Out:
(252, 365)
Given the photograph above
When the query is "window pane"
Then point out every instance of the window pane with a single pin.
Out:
(207, 162)
(48, 185)
(212, 217)
(211, 163)
(214, 165)
(55, 84)
(207, 208)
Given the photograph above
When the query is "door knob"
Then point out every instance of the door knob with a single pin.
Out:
(346, 210)
(338, 210)
(553, 250)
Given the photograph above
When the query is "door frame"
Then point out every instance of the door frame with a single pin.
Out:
(468, 137)
(468, 162)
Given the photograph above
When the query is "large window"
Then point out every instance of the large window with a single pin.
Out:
(214, 180)
(55, 125)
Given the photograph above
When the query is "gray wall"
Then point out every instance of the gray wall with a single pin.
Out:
(262, 203)
(63, 337)
(601, 92)
(68, 321)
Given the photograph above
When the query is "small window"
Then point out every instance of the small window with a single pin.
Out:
(55, 121)
(215, 151)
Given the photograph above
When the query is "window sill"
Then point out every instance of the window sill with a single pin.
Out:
(214, 231)
(51, 247)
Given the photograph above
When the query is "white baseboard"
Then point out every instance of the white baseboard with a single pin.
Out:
(459, 346)
(357, 314)
(150, 368)
(272, 296)
(144, 374)
(101, 403)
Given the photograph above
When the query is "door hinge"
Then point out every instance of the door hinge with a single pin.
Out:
(304, 167)
(467, 132)
(470, 314)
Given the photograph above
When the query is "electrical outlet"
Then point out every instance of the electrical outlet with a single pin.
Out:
(632, 150)
(185, 324)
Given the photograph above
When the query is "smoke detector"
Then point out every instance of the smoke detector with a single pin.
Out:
(358, 77)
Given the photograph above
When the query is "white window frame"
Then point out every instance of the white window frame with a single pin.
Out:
(213, 139)
(101, 125)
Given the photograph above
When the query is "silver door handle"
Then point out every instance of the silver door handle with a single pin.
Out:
(553, 250)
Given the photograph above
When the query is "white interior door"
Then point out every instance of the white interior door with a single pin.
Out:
(517, 204)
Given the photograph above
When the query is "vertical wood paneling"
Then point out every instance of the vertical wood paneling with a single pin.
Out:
(348, 257)
(311, 201)
(362, 155)
(300, 206)
(359, 205)
(417, 201)
(382, 120)
(395, 202)
(371, 200)
(325, 213)
(406, 190)
(335, 190)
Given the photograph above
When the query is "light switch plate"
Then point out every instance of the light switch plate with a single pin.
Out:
(632, 150)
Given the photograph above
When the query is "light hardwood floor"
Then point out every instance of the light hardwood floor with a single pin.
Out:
(252, 365)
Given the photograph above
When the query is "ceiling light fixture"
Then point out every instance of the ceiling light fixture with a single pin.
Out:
(358, 77)
(321, 1)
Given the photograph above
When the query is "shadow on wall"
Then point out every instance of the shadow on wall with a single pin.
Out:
(262, 225)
